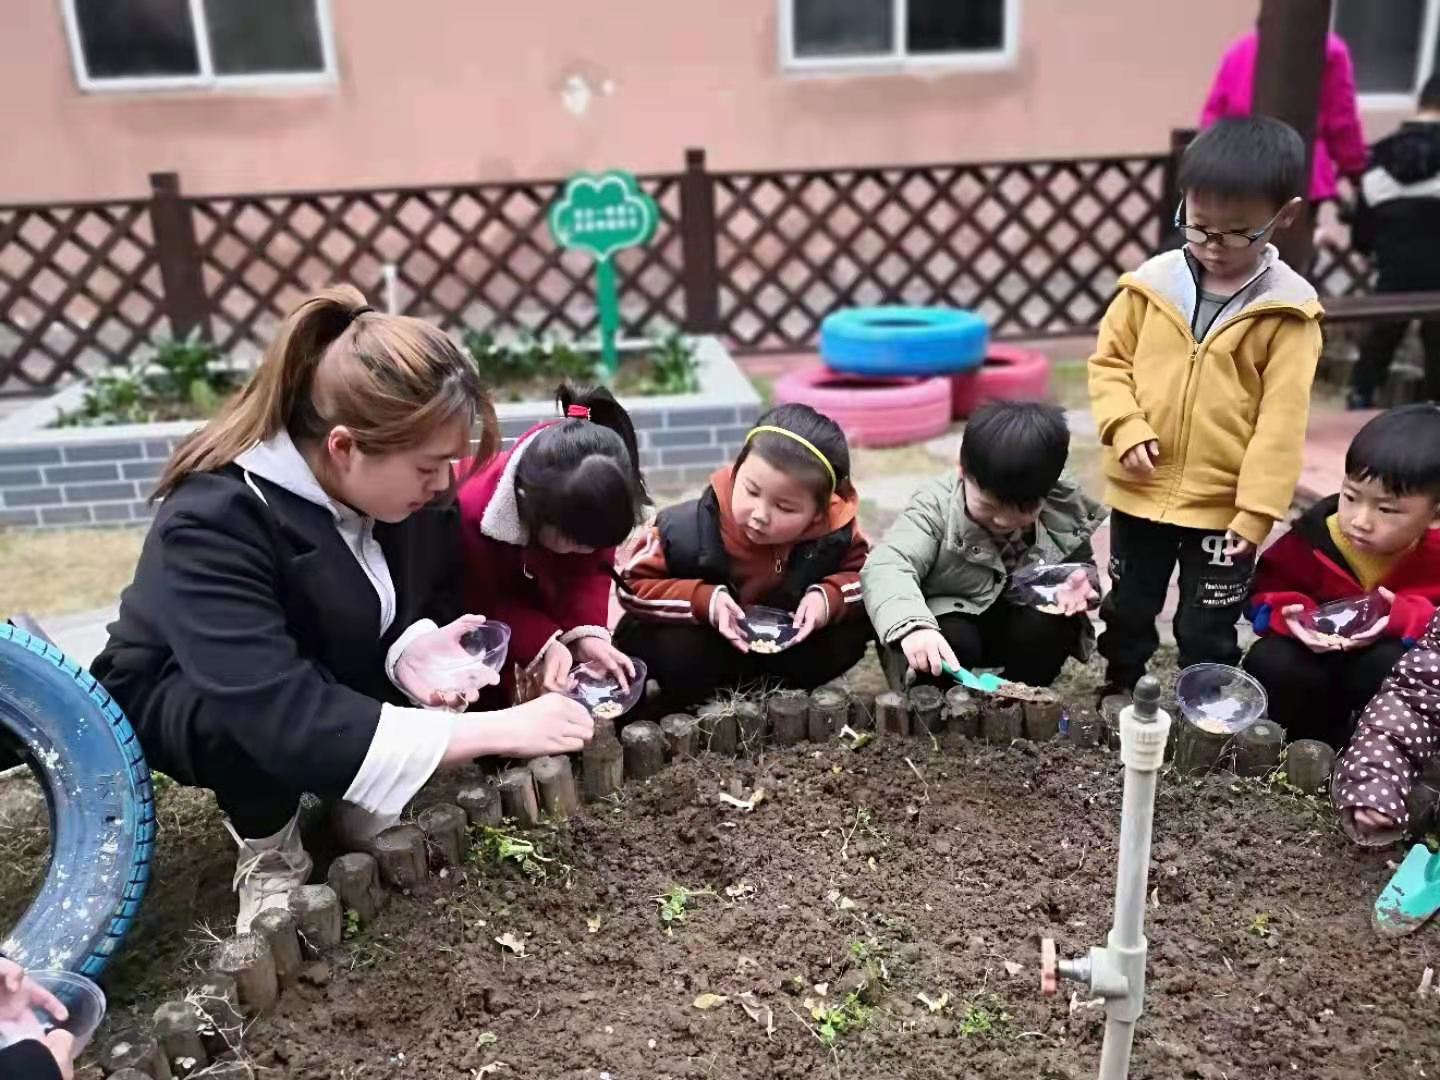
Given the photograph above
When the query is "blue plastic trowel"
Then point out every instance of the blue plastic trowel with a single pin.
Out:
(1412, 895)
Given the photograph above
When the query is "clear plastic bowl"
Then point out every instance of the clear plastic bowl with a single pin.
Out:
(485, 649)
(84, 1000)
(1346, 618)
(769, 629)
(1219, 698)
(1041, 585)
(599, 691)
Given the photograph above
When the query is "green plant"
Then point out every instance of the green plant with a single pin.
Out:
(675, 904)
(352, 924)
(835, 1020)
(500, 849)
(533, 367)
(181, 380)
(1260, 926)
(984, 1015)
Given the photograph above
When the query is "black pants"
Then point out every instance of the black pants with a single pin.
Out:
(693, 663)
(1213, 589)
(1316, 696)
(1378, 348)
(1027, 646)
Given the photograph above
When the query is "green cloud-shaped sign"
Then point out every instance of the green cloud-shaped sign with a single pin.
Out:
(603, 213)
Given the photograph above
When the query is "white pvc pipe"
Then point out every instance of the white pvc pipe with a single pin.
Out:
(1115, 1052)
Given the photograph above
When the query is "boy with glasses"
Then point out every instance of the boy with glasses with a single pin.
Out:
(1200, 385)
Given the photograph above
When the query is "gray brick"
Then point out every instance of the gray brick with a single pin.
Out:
(696, 436)
(158, 449)
(677, 418)
(111, 512)
(732, 436)
(82, 474)
(747, 415)
(41, 496)
(694, 455)
(19, 519)
(65, 515)
(648, 420)
(513, 429)
(142, 470)
(665, 479)
(697, 476)
(142, 511)
(10, 459)
(649, 459)
(121, 451)
(87, 493)
(10, 478)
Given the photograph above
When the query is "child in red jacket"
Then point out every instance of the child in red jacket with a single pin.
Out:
(777, 528)
(539, 527)
(1377, 535)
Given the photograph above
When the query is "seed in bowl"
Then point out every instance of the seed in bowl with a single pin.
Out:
(608, 710)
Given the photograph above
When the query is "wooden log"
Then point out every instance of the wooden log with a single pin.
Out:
(446, 828)
(602, 764)
(719, 729)
(517, 797)
(556, 782)
(927, 709)
(862, 711)
(177, 1030)
(1084, 729)
(1001, 721)
(92, 1072)
(1200, 751)
(356, 881)
(789, 716)
(1111, 706)
(1307, 765)
(221, 1021)
(829, 711)
(962, 712)
(481, 804)
(644, 745)
(1042, 718)
(138, 1053)
(682, 735)
(400, 851)
(892, 713)
(751, 722)
(247, 959)
(1258, 747)
(318, 918)
(277, 927)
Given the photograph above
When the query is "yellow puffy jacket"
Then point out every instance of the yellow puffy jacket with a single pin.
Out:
(1228, 410)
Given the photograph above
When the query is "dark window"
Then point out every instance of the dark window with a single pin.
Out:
(264, 36)
(825, 28)
(942, 26)
(126, 39)
(1384, 40)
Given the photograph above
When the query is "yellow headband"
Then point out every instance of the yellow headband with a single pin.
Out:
(803, 442)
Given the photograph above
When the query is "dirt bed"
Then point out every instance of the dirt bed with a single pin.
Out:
(882, 882)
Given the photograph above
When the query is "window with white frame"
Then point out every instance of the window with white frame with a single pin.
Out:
(174, 44)
(890, 34)
(1395, 44)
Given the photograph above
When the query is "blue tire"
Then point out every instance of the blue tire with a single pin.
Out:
(102, 807)
(912, 341)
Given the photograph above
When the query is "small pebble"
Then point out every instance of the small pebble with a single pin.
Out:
(316, 974)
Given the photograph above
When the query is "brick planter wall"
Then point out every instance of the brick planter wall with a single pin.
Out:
(65, 477)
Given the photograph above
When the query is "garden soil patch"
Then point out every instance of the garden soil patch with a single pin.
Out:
(888, 873)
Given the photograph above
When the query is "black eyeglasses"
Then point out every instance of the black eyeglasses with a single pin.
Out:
(1233, 240)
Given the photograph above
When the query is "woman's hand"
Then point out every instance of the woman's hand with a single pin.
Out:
(595, 650)
(728, 618)
(812, 614)
(927, 651)
(1141, 458)
(553, 670)
(551, 724)
(435, 669)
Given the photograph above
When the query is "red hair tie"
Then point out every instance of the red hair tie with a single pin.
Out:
(578, 412)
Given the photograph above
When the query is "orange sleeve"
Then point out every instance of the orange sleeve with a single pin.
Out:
(842, 588)
(654, 595)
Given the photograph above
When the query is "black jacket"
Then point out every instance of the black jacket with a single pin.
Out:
(1397, 217)
(28, 1059)
(249, 621)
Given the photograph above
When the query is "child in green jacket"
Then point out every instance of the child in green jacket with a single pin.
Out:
(935, 586)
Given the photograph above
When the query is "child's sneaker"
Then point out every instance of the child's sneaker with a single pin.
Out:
(268, 871)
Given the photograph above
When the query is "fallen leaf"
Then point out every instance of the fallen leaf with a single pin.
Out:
(822, 988)
(510, 941)
(709, 1001)
(935, 1005)
(756, 798)
(1012, 968)
(487, 1038)
(743, 888)
(846, 904)
(761, 1014)
(593, 924)
(486, 1070)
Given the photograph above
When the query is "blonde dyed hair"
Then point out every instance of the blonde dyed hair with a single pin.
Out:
(392, 381)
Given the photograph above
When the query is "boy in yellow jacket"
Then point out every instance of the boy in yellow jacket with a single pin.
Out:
(1200, 385)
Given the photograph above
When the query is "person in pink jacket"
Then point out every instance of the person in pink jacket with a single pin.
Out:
(1339, 141)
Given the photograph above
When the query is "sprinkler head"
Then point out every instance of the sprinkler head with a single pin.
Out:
(1147, 698)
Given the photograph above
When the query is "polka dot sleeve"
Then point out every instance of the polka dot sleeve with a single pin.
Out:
(1398, 733)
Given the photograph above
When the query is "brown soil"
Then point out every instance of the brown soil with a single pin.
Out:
(926, 879)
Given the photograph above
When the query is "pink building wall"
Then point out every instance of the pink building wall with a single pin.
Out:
(446, 90)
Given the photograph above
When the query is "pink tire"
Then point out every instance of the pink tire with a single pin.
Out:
(872, 411)
(1008, 374)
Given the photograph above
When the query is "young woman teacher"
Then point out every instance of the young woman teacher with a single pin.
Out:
(273, 640)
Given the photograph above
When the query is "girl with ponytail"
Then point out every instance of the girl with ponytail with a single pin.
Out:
(540, 525)
(301, 570)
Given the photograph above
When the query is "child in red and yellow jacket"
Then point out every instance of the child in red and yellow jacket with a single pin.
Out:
(1378, 535)
(779, 529)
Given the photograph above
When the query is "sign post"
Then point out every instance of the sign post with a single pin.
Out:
(601, 214)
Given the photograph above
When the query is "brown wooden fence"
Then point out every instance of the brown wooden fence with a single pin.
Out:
(759, 257)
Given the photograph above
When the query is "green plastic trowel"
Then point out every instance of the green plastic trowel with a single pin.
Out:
(1411, 896)
(986, 684)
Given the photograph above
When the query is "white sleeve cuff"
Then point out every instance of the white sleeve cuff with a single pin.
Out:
(578, 632)
(406, 751)
(392, 658)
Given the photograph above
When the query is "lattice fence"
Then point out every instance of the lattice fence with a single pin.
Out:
(77, 282)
